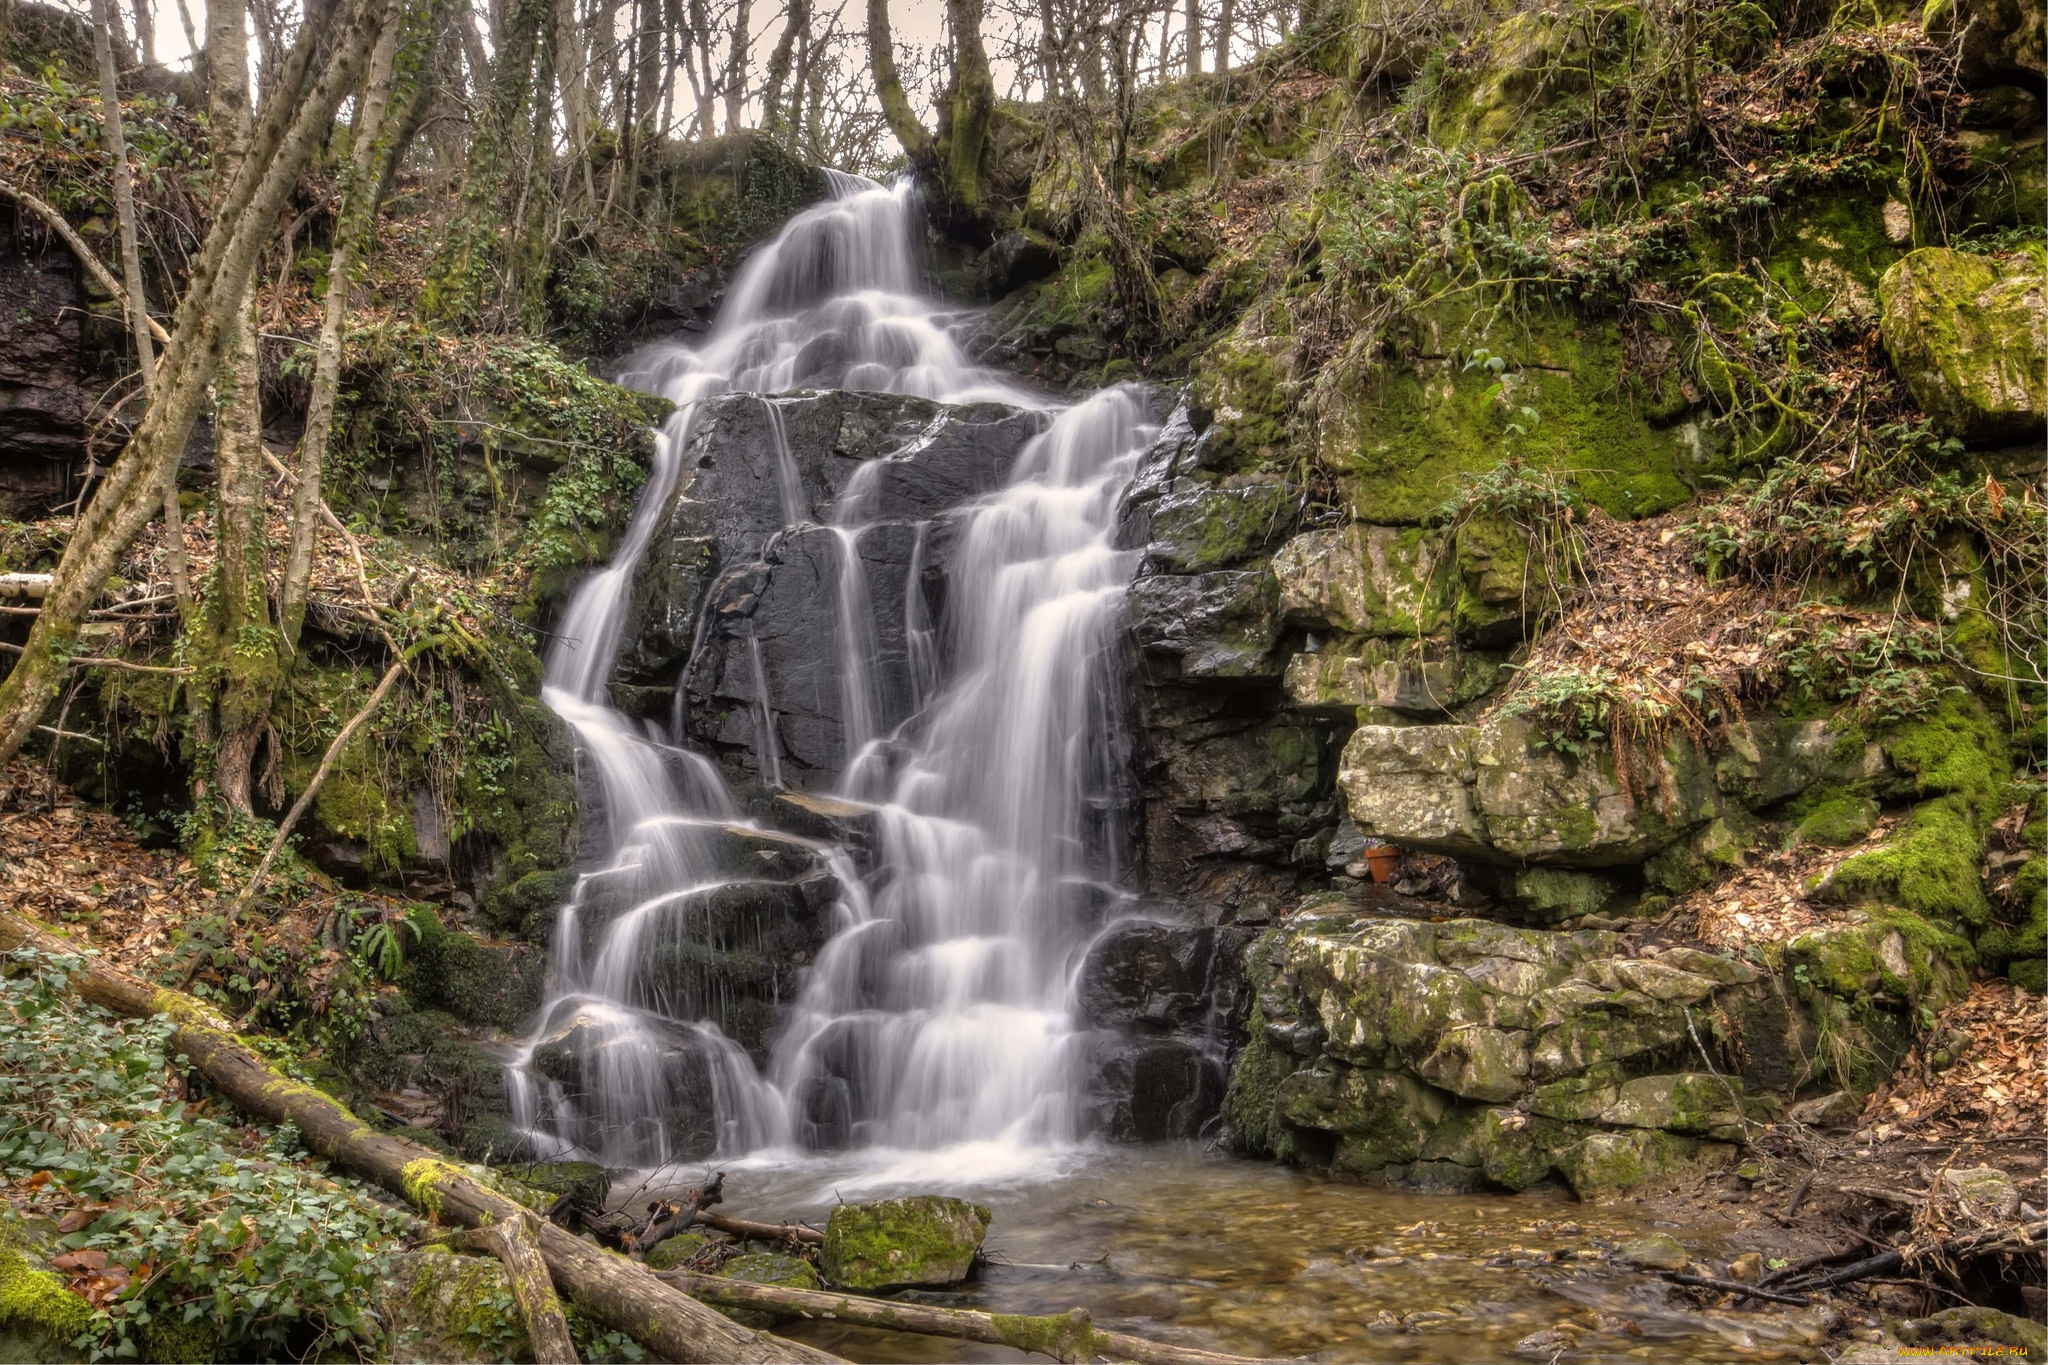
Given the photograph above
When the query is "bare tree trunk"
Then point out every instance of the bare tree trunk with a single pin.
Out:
(571, 61)
(972, 106)
(191, 36)
(736, 65)
(145, 32)
(700, 28)
(1225, 22)
(138, 300)
(1191, 15)
(321, 67)
(370, 147)
(240, 663)
(774, 117)
(473, 52)
(903, 121)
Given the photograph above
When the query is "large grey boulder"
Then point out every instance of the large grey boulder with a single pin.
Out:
(1492, 792)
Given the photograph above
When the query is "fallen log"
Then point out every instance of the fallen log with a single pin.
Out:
(1067, 1336)
(32, 585)
(767, 1232)
(612, 1289)
(514, 1243)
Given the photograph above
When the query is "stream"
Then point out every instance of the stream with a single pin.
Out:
(1224, 1254)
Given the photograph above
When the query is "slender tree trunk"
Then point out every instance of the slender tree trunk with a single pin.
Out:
(973, 107)
(800, 86)
(191, 36)
(700, 29)
(138, 300)
(903, 121)
(571, 62)
(774, 117)
(1191, 16)
(473, 52)
(371, 149)
(321, 67)
(239, 663)
(145, 32)
(1225, 22)
(736, 65)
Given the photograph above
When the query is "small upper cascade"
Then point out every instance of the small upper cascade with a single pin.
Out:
(939, 1011)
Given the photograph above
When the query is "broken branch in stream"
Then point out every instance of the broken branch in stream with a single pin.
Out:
(1067, 1336)
(618, 1292)
(767, 1232)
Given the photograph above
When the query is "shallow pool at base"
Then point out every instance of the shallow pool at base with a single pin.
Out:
(1230, 1255)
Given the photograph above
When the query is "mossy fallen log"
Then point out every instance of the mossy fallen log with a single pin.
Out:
(610, 1288)
(1067, 1336)
(516, 1243)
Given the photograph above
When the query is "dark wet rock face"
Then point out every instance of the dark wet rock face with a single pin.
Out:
(1165, 999)
(43, 389)
(745, 576)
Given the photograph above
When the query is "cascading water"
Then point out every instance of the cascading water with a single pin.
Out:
(939, 1012)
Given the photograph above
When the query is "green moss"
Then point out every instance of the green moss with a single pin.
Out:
(1933, 867)
(469, 1303)
(1062, 1336)
(177, 1342)
(1250, 1115)
(1830, 251)
(1959, 748)
(36, 1307)
(1404, 433)
(922, 1240)
(482, 983)
(1838, 819)
(671, 1252)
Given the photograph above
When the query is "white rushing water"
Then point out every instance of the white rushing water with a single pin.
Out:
(938, 1019)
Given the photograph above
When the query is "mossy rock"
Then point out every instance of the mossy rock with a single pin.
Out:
(1402, 437)
(39, 1317)
(1934, 867)
(1969, 336)
(671, 1252)
(1524, 63)
(1601, 1165)
(1838, 820)
(498, 984)
(1550, 894)
(928, 1240)
(170, 1340)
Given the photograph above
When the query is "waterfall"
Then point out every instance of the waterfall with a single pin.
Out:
(939, 1012)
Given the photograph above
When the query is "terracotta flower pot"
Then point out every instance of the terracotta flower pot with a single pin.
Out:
(1380, 861)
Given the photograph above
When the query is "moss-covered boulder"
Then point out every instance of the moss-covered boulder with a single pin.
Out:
(1603, 1164)
(1364, 580)
(1969, 335)
(39, 1317)
(1401, 439)
(1213, 527)
(479, 982)
(2002, 40)
(1495, 792)
(896, 1243)
(584, 1182)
